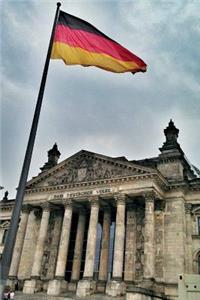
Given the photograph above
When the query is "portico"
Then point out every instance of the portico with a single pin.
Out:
(82, 248)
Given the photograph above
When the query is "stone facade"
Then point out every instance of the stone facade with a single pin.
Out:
(147, 213)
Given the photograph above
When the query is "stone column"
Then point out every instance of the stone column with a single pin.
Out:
(31, 286)
(55, 286)
(115, 287)
(78, 246)
(149, 233)
(19, 242)
(130, 248)
(91, 240)
(87, 285)
(188, 244)
(119, 238)
(103, 268)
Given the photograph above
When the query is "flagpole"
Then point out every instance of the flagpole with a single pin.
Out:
(12, 232)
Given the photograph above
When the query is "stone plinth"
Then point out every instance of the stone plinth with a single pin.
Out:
(31, 286)
(85, 288)
(115, 288)
(56, 286)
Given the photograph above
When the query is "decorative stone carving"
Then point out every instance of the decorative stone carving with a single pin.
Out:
(94, 201)
(149, 196)
(46, 206)
(188, 208)
(120, 198)
(67, 203)
(26, 208)
(88, 170)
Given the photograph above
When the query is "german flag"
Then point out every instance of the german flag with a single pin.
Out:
(77, 42)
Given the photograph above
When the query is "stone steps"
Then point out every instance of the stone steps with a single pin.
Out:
(67, 296)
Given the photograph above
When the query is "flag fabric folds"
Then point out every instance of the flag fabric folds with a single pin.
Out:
(77, 42)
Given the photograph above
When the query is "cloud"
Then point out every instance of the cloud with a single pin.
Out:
(88, 108)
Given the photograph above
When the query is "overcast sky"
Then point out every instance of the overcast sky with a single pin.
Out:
(95, 110)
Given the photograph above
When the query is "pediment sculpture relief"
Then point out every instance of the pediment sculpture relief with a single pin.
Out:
(88, 170)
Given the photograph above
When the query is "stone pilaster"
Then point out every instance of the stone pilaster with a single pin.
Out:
(115, 287)
(19, 242)
(31, 286)
(78, 247)
(149, 232)
(87, 285)
(130, 247)
(55, 286)
(188, 244)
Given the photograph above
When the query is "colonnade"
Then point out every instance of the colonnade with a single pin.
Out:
(125, 241)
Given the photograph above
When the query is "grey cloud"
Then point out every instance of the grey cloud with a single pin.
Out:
(87, 108)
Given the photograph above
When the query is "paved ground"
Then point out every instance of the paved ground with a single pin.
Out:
(69, 296)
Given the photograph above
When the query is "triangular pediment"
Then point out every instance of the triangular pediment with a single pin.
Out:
(86, 166)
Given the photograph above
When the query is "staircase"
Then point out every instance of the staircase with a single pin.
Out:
(67, 296)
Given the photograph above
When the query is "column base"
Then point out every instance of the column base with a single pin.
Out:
(115, 288)
(32, 286)
(56, 287)
(12, 282)
(85, 287)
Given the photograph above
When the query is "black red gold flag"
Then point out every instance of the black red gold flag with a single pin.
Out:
(77, 42)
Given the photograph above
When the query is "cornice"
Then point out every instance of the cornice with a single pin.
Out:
(160, 180)
(186, 185)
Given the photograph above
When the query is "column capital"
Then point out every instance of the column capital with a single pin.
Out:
(46, 206)
(149, 196)
(120, 198)
(94, 201)
(67, 203)
(188, 208)
(26, 208)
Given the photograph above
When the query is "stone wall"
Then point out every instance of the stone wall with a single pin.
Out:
(174, 239)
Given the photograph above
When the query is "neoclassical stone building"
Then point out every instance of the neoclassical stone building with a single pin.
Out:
(98, 224)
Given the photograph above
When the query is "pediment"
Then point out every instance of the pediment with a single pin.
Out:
(86, 167)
